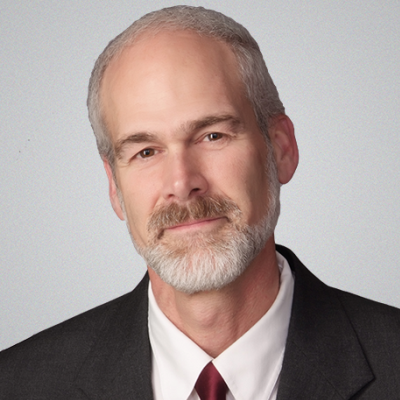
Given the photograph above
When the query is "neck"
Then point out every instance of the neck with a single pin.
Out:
(216, 319)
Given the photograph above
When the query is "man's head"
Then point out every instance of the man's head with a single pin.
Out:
(259, 86)
(189, 163)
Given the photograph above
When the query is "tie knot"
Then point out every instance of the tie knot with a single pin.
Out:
(210, 385)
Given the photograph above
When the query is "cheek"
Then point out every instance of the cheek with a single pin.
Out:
(139, 200)
(241, 177)
(256, 185)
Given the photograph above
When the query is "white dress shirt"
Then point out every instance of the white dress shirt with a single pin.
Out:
(250, 367)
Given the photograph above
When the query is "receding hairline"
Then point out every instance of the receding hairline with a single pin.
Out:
(149, 34)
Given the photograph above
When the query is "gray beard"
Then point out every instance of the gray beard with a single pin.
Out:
(204, 262)
(212, 261)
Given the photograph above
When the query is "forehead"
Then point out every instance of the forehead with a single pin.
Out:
(176, 48)
(166, 69)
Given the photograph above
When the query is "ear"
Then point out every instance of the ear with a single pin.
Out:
(285, 147)
(112, 190)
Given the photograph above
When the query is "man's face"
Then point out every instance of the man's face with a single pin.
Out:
(183, 129)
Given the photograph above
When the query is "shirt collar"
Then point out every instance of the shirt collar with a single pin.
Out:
(250, 366)
(178, 359)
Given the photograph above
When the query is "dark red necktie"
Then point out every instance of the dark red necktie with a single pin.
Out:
(210, 385)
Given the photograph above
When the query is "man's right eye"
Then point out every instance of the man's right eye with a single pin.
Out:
(146, 153)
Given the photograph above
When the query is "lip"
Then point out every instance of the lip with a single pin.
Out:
(198, 223)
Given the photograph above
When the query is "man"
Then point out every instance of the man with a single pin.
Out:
(196, 144)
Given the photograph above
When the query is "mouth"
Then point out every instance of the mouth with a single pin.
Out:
(195, 224)
(202, 215)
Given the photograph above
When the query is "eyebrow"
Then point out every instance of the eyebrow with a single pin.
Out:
(212, 120)
(139, 137)
(191, 126)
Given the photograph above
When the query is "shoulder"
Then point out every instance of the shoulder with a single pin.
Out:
(377, 328)
(377, 324)
(359, 308)
(349, 342)
(80, 329)
(57, 353)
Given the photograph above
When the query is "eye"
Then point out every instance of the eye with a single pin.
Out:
(214, 136)
(146, 153)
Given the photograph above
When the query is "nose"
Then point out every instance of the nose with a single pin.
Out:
(183, 177)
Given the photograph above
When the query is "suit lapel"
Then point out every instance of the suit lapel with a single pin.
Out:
(119, 365)
(323, 357)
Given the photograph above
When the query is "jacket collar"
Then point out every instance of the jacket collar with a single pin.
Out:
(119, 364)
(323, 357)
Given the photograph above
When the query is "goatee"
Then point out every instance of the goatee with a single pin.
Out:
(210, 260)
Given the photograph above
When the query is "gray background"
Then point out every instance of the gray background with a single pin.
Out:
(336, 65)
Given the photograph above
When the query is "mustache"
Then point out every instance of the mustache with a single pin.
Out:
(202, 207)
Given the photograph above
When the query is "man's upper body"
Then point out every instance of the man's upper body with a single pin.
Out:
(339, 346)
(196, 144)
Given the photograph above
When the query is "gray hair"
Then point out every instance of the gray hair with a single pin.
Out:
(260, 89)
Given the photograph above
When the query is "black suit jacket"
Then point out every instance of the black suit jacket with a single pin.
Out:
(339, 346)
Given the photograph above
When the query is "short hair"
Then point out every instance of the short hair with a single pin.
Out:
(260, 89)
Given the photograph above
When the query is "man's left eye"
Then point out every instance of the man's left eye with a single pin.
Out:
(214, 136)
(147, 153)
